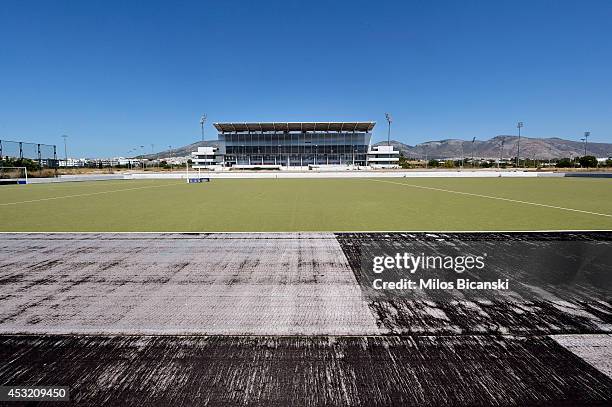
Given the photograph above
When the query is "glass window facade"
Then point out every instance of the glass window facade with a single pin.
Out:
(295, 148)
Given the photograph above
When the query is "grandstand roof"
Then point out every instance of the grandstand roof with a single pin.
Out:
(295, 126)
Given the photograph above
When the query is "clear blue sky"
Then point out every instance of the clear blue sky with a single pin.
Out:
(113, 75)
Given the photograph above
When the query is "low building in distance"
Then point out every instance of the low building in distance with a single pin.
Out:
(295, 145)
(207, 157)
(383, 157)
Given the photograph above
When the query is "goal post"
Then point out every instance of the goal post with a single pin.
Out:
(196, 179)
(13, 175)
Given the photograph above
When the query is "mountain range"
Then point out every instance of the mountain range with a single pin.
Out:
(503, 146)
(181, 151)
(539, 148)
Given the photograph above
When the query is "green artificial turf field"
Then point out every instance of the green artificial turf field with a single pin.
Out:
(254, 205)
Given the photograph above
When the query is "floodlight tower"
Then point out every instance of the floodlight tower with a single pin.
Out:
(202, 121)
(550, 154)
(519, 125)
(586, 140)
(130, 165)
(473, 140)
(65, 150)
(501, 152)
(389, 120)
(170, 152)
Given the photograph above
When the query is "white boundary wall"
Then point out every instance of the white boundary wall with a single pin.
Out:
(292, 174)
(351, 174)
(75, 178)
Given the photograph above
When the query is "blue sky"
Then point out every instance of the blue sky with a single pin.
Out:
(114, 75)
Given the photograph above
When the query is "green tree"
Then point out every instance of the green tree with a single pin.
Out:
(588, 161)
(30, 165)
(564, 163)
(433, 163)
(403, 162)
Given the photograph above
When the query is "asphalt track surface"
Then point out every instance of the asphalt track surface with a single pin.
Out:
(287, 319)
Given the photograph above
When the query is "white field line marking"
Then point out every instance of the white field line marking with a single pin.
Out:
(87, 194)
(297, 232)
(494, 197)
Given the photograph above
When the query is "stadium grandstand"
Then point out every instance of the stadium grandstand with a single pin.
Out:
(278, 145)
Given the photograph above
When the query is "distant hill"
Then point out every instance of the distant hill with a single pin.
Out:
(181, 151)
(540, 148)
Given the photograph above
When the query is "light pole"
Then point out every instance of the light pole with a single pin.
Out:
(153, 152)
(501, 152)
(202, 121)
(389, 120)
(129, 159)
(170, 152)
(473, 140)
(142, 153)
(586, 140)
(519, 125)
(549, 155)
(65, 150)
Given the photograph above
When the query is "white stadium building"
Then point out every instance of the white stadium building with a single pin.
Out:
(295, 145)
